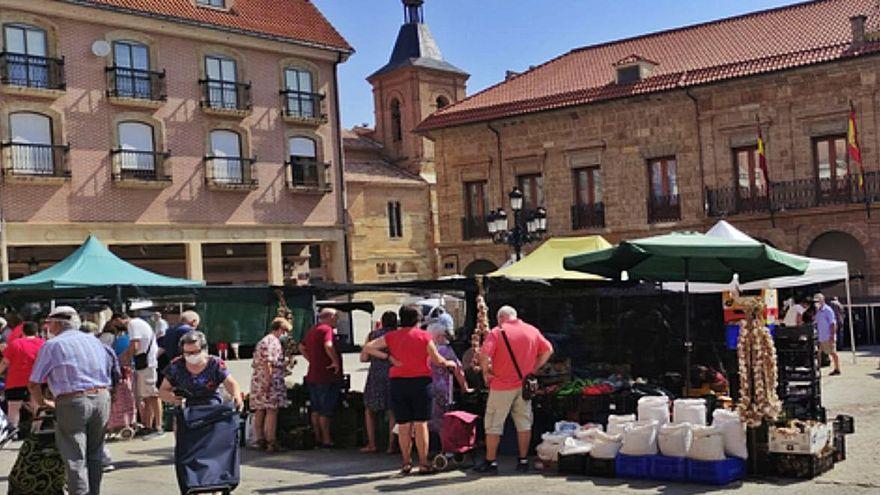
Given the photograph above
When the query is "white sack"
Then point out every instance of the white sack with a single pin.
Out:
(674, 440)
(691, 411)
(733, 431)
(640, 438)
(708, 444)
(654, 407)
(605, 446)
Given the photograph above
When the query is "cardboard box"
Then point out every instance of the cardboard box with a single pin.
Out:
(813, 439)
(733, 311)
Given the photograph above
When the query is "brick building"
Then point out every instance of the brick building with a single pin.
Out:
(197, 138)
(390, 170)
(660, 132)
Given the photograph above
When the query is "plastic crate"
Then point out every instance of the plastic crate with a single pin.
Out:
(633, 466)
(716, 472)
(845, 424)
(669, 468)
(575, 464)
(802, 466)
(839, 444)
(602, 468)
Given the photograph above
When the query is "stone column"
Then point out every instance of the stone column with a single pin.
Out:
(276, 262)
(194, 264)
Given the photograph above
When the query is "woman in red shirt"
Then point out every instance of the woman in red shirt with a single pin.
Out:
(408, 349)
(19, 359)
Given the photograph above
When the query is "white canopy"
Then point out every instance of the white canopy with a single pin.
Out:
(819, 270)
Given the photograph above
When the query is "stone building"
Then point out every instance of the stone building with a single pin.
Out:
(197, 138)
(659, 132)
(390, 170)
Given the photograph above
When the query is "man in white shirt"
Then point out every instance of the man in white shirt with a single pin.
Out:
(145, 349)
(794, 317)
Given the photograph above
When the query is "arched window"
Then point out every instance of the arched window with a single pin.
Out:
(305, 169)
(31, 144)
(226, 157)
(299, 92)
(136, 154)
(442, 102)
(396, 125)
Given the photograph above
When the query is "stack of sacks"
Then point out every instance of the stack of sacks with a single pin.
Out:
(605, 446)
(617, 423)
(654, 407)
(708, 444)
(551, 444)
(691, 411)
(640, 438)
(674, 440)
(733, 432)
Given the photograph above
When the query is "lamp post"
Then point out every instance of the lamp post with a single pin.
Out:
(528, 226)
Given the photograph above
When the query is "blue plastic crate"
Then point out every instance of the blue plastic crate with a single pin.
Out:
(731, 333)
(633, 466)
(716, 472)
(669, 468)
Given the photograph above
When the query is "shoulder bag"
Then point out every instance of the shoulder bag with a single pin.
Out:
(529, 382)
(140, 360)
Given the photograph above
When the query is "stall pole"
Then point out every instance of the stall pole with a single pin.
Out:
(688, 345)
(852, 332)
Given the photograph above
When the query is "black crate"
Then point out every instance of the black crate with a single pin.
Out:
(798, 373)
(793, 335)
(594, 404)
(575, 464)
(839, 443)
(601, 468)
(802, 466)
(804, 409)
(845, 424)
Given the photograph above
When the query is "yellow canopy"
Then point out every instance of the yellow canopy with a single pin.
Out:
(545, 262)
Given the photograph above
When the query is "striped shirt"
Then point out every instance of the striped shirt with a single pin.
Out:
(73, 361)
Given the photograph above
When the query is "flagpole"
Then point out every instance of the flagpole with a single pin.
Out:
(762, 163)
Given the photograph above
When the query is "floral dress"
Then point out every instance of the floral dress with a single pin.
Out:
(202, 387)
(267, 387)
(441, 387)
(378, 387)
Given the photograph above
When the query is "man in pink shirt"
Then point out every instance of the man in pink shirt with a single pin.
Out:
(531, 351)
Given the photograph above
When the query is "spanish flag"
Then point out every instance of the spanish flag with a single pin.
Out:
(852, 141)
(762, 159)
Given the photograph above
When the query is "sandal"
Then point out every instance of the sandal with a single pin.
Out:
(272, 447)
(406, 469)
(425, 470)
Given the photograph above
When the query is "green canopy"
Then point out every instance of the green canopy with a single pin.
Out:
(93, 265)
(688, 256)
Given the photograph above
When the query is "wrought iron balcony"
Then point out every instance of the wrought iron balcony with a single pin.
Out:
(230, 171)
(301, 104)
(225, 95)
(794, 195)
(139, 165)
(36, 160)
(309, 174)
(123, 82)
(664, 209)
(29, 71)
(586, 216)
(474, 228)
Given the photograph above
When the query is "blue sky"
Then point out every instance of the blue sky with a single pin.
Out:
(488, 37)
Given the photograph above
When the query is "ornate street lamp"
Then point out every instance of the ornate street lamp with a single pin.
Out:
(528, 225)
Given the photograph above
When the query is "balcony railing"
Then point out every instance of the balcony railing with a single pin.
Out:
(123, 82)
(31, 72)
(586, 216)
(664, 209)
(230, 170)
(474, 228)
(139, 165)
(302, 104)
(309, 174)
(39, 160)
(225, 95)
(794, 195)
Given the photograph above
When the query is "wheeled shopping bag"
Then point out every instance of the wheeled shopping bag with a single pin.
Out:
(39, 468)
(206, 452)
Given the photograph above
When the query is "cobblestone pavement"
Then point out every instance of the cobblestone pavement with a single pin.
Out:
(147, 465)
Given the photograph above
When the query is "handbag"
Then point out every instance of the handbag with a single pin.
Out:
(529, 382)
(140, 360)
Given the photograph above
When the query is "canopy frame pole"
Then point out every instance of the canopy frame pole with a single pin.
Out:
(688, 345)
(849, 317)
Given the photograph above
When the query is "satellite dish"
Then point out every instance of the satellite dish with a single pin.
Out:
(101, 48)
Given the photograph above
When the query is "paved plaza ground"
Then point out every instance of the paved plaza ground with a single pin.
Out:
(147, 466)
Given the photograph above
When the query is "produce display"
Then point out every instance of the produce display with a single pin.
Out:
(757, 368)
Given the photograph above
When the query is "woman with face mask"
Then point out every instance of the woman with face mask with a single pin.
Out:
(268, 392)
(197, 376)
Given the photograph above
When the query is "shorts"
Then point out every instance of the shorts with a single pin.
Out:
(145, 383)
(828, 347)
(324, 398)
(504, 402)
(411, 399)
(17, 393)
